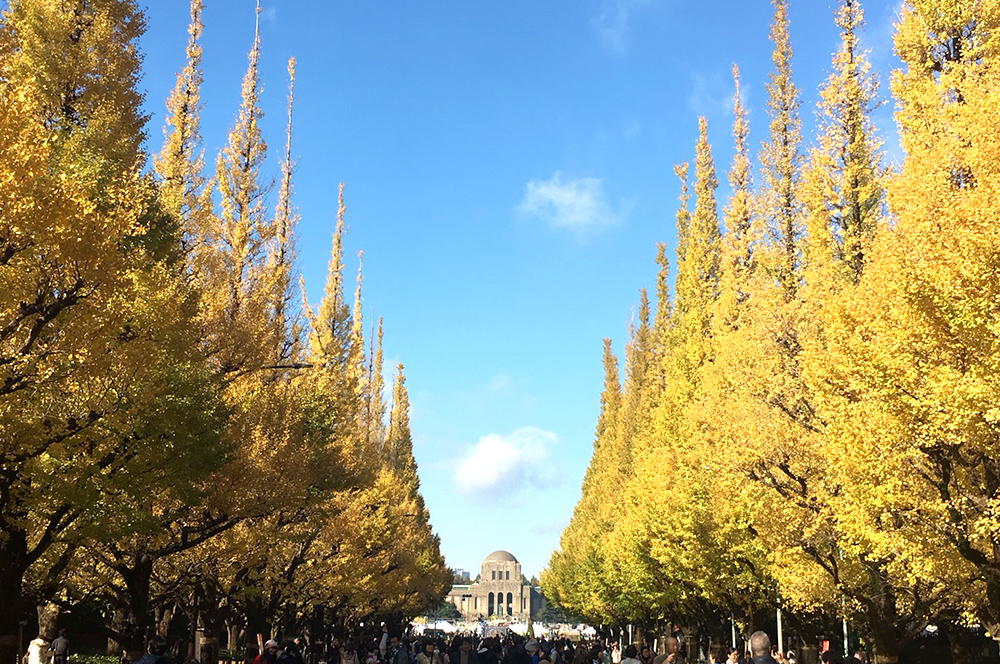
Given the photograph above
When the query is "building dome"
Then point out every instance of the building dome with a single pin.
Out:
(501, 556)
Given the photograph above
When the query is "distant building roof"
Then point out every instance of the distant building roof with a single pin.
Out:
(501, 556)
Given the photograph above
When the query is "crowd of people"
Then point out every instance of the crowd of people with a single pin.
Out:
(759, 650)
(499, 648)
(511, 648)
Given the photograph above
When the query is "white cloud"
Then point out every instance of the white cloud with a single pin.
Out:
(499, 383)
(505, 462)
(553, 527)
(612, 22)
(577, 204)
(712, 95)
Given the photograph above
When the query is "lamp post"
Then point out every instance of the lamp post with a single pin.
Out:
(781, 637)
(20, 640)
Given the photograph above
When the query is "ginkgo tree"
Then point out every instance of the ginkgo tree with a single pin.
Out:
(827, 367)
(154, 365)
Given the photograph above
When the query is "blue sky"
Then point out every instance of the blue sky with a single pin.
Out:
(508, 171)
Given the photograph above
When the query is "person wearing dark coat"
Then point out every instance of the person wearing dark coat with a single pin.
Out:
(154, 652)
(487, 653)
(60, 648)
(516, 654)
(463, 652)
(397, 653)
(760, 649)
(289, 653)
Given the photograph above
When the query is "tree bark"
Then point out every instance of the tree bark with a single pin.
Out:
(48, 619)
(13, 565)
(257, 621)
(884, 640)
(139, 620)
(163, 621)
(116, 642)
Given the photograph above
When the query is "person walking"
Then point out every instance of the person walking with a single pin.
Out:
(581, 655)
(517, 654)
(673, 654)
(155, 648)
(463, 653)
(39, 651)
(631, 655)
(430, 654)
(269, 655)
(397, 652)
(348, 653)
(60, 648)
(487, 653)
(536, 654)
(760, 649)
(289, 653)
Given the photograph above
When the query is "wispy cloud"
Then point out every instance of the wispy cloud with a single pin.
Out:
(506, 462)
(549, 527)
(577, 204)
(612, 22)
(499, 383)
(712, 95)
(876, 37)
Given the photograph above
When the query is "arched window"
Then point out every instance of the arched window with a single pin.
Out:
(510, 604)
(490, 612)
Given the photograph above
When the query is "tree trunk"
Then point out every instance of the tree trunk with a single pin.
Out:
(13, 564)
(257, 621)
(970, 647)
(212, 612)
(882, 615)
(884, 638)
(117, 626)
(163, 621)
(48, 619)
(233, 637)
(139, 623)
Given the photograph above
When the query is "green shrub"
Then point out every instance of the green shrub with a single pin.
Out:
(93, 658)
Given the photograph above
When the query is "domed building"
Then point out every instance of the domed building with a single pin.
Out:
(500, 591)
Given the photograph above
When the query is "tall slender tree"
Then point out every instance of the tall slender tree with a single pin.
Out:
(375, 406)
(844, 182)
(283, 255)
(699, 244)
(741, 233)
(781, 161)
(575, 572)
(181, 163)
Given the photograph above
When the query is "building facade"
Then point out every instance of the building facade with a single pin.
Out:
(500, 591)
